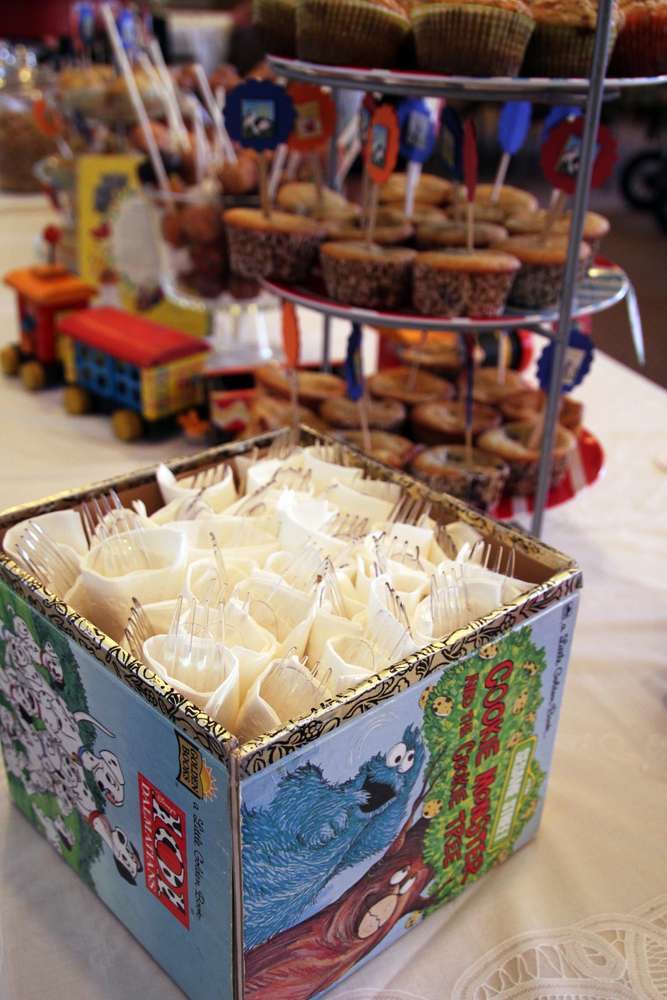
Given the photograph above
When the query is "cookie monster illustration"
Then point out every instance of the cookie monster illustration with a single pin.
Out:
(313, 830)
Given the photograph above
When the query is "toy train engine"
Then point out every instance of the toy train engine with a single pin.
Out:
(139, 371)
(43, 293)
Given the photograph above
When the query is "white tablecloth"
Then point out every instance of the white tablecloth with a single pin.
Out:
(579, 913)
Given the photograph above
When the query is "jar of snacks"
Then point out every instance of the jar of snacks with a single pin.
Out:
(24, 139)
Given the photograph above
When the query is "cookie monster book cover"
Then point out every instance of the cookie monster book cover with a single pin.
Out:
(351, 842)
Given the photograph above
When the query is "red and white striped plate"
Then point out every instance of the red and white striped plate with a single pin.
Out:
(585, 467)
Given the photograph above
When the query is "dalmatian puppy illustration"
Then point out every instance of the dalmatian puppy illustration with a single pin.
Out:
(62, 724)
(15, 759)
(51, 661)
(9, 728)
(26, 648)
(71, 788)
(125, 854)
(55, 831)
(107, 774)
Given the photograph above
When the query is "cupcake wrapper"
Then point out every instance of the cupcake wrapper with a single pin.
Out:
(349, 33)
(522, 479)
(537, 286)
(641, 47)
(276, 20)
(477, 41)
(481, 490)
(559, 51)
(439, 292)
(371, 284)
(257, 254)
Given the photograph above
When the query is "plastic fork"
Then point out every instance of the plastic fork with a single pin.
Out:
(137, 630)
(351, 526)
(329, 588)
(47, 562)
(494, 557)
(410, 510)
(205, 478)
(104, 516)
(396, 606)
(450, 605)
(197, 636)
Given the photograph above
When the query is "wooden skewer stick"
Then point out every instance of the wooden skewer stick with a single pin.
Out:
(372, 212)
(264, 185)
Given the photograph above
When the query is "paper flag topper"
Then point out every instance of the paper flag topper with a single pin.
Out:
(127, 29)
(291, 338)
(451, 142)
(381, 149)
(314, 118)
(352, 368)
(259, 114)
(417, 136)
(559, 113)
(578, 360)
(84, 22)
(366, 112)
(561, 155)
(470, 157)
(513, 125)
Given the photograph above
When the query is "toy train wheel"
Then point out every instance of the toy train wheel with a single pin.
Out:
(127, 425)
(10, 359)
(76, 400)
(33, 375)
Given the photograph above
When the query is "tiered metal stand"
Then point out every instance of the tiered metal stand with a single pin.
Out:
(606, 284)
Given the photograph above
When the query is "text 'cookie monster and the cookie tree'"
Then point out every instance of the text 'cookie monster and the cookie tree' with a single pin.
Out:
(480, 720)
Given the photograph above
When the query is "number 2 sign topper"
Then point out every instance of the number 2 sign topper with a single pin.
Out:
(561, 154)
(382, 142)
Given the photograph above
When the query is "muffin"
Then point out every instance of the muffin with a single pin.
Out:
(301, 198)
(446, 470)
(564, 37)
(312, 387)
(367, 275)
(383, 414)
(596, 226)
(471, 37)
(488, 389)
(409, 386)
(282, 246)
(510, 200)
(276, 23)
(427, 215)
(390, 449)
(455, 234)
(351, 32)
(442, 355)
(540, 280)
(430, 190)
(528, 403)
(391, 228)
(445, 423)
(511, 444)
(270, 413)
(483, 211)
(641, 45)
(458, 283)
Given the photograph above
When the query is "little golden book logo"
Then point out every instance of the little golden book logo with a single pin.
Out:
(165, 850)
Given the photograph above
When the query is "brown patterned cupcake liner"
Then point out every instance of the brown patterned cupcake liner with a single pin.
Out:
(481, 485)
(261, 253)
(276, 21)
(371, 284)
(557, 50)
(349, 32)
(641, 47)
(474, 40)
(438, 292)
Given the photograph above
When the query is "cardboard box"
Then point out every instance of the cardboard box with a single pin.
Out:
(317, 847)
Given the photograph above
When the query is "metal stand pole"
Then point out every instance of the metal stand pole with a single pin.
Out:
(332, 168)
(588, 143)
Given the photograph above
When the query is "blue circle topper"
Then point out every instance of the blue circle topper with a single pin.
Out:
(259, 114)
(417, 130)
(578, 360)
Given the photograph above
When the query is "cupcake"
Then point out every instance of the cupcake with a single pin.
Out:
(458, 283)
(512, 443)
(540, 280)
(528, 403)
(270, 413)
(430, 190)
(351, 32)
(564, 37)
(445, 422)
(596, 226)
(509, 201)
(427, 215)
(446, 470)
(390, 449)
(484, 211)
(443, 354)
(455, 234)
(641, 46)
(282, 246)
(489, 389)
(391, 228)
(367, 275)
(312, 387)
(276, 23)
(301, 197)
(383, 414)
(409, 386)
(471, 37)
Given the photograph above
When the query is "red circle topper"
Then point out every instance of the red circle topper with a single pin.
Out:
(382, 142)
(561, 154)
(314, 120)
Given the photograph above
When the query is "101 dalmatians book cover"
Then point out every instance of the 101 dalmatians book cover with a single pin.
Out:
(346, 843)
(109, 783)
